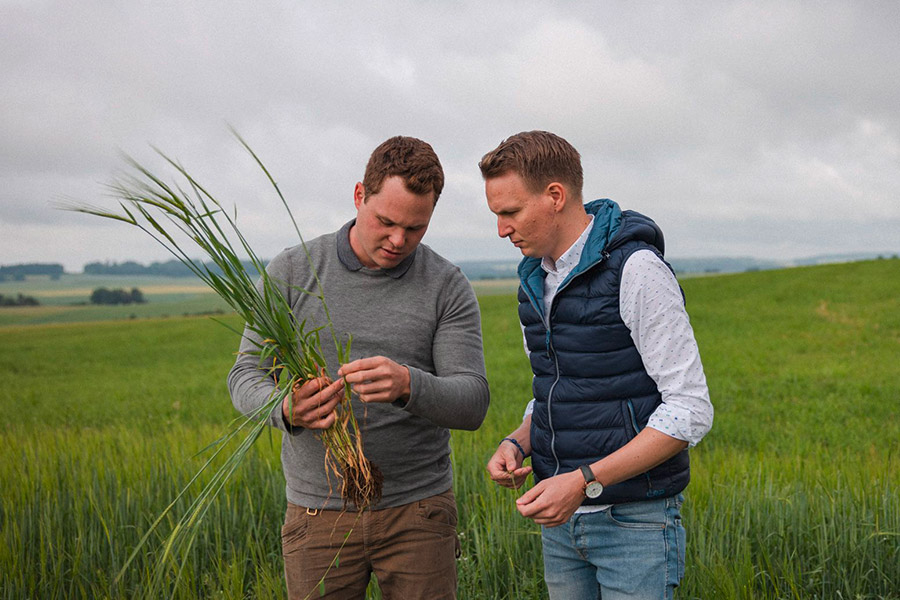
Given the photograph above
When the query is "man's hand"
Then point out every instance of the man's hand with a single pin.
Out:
(312, 404)
(505, 466)
(377, 379)
(552, 501)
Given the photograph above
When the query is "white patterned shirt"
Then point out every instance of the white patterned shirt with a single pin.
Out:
(652, 308)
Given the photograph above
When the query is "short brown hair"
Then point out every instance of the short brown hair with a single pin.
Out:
(539, 158)
(409, 158)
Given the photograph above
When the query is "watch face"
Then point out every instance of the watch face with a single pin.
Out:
(593, 489)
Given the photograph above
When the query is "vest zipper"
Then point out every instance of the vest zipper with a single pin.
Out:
(603, 256)
(548, 342)
(549, 345)
(550, 401)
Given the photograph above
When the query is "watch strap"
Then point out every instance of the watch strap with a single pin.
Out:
(588, 474)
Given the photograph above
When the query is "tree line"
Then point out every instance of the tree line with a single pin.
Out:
(18, 300)
(171, 268)
(100, 295)
(103, 295)
(19, 272)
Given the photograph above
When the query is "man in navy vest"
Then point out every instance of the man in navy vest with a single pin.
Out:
(619, 389)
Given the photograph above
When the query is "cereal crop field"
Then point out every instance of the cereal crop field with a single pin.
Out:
(795, 493)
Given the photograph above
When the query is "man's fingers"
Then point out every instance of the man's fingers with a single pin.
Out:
(377, 379)
(316, 390)
(320, 416)
(548, 522)
(309, 388)
(320, 410)
(499, 475)
(520, 475)
(368, 387)
(500, 464)
(356, 370)
(336, 388)
(323, 423)
(515, 479)
(526, 502)
(312, 404)
(510, 478)
(365, 377)
(378, 390)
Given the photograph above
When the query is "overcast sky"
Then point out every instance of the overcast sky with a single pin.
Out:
(759, 129)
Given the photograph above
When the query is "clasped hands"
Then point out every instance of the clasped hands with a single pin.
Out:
(375, 379)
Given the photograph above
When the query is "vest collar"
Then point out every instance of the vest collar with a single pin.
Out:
(607, 218)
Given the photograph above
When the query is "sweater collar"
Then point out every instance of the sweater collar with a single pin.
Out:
(349, 259)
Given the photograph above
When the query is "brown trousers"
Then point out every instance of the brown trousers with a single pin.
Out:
(411, 549)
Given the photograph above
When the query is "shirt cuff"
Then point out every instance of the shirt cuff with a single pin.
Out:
(528, 409)
(416, 383)
(675, 422)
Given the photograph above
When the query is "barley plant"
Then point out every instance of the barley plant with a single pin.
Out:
(290, 350)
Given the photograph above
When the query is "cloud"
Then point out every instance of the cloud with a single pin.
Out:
(708, 114)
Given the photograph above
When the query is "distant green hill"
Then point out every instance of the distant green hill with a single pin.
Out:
(492, 269)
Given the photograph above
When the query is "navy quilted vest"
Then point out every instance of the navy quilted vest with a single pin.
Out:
(592, 394)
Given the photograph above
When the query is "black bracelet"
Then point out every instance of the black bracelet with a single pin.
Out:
(516, 444)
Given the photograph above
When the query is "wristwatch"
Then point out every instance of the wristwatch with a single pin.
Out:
(592, 487)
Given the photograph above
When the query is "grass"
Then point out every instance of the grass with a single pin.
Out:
(794, 493)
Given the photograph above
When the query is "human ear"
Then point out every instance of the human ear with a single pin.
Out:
(359, 194)
(557, 194)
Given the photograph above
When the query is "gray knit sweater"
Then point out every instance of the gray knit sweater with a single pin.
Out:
(422, 314)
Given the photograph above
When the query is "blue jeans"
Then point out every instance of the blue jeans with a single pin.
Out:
(632, 551)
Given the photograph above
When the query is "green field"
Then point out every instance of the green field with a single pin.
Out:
(795, 493)
(67, 300)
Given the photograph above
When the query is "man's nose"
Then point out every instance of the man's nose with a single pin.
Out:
(397, 238)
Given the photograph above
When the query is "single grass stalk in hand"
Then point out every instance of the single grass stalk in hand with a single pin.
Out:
(289, 349)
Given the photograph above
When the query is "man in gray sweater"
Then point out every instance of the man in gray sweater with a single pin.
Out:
(416, 370)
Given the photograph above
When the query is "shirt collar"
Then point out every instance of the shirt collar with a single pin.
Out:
(570, 257)
(349, 259)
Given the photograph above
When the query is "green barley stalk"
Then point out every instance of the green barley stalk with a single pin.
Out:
(290, 351)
